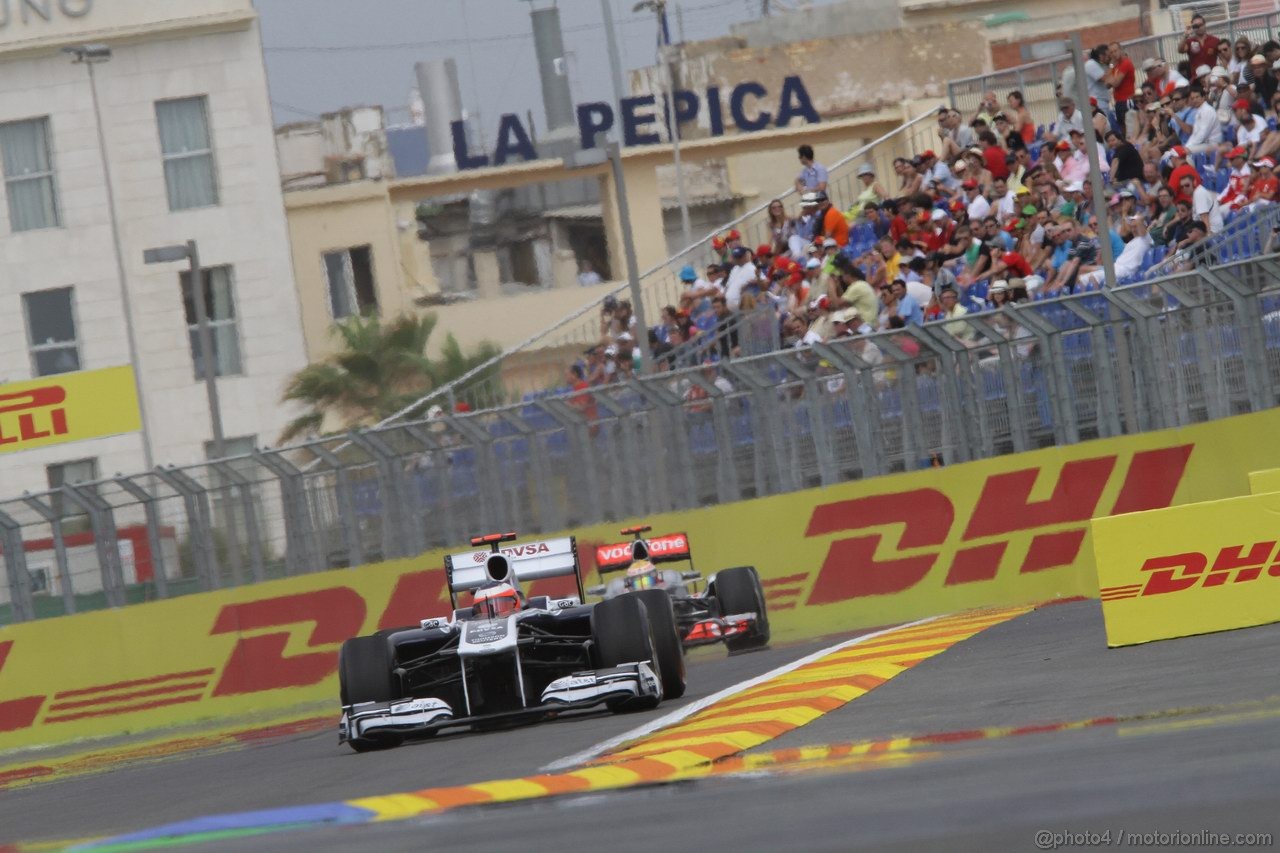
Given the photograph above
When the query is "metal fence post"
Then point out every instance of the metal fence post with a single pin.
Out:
(244, 486)
(397, 535)
(671, 458)
(1248, 319)
(159, 572)
(584, 500)
(21, 604)
(346, 505)
(300, 555)
(102, 523)
(46, 512)
(204, 548)
(439, 474)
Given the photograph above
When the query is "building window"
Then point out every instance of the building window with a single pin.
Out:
(220, 308)
(51, 329)
(28, 174)
(188, 153)
(72, 473)
(350, 276)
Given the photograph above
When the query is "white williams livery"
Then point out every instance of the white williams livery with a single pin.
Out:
(507, 657)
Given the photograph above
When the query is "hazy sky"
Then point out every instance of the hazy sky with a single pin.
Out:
(326, 54)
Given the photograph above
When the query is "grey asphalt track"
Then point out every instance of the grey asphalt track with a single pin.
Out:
(313, 768)
(1215, 770)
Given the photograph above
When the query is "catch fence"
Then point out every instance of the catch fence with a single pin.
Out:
(1192, 347)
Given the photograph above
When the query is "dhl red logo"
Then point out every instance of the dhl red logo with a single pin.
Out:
(39, 411)
(1179, 572)
(927, 518)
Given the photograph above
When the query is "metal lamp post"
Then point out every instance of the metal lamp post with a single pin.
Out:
(191, 252)
(90, 55)
(659, 9)
(595, 157)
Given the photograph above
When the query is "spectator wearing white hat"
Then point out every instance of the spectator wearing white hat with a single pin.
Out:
(872, 192)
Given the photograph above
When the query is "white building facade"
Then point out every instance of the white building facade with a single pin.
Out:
(186, 120)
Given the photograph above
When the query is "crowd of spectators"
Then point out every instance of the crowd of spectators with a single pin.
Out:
(1000, 211)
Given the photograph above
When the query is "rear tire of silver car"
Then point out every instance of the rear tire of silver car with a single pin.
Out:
(622, 634)
(666, 640)
(365, 675)
(739, 591)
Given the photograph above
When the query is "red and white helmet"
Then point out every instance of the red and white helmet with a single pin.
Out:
(496, 601)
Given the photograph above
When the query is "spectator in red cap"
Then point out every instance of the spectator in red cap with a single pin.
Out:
(1236, 194)
(1250, 129)
(1178, 156)
(1265, 185)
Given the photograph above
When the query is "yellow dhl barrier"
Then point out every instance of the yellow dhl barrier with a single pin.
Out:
(1012, 530)
(1261, 482)
(1195, 569)
(69, 407)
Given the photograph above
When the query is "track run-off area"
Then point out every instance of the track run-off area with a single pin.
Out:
(971, 731)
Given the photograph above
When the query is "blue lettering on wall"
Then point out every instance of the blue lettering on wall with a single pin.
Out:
(460, 153)
(736, 107)
(512, 139)
(639, 119)
(794, 101)
(594, 119)
(633, 123)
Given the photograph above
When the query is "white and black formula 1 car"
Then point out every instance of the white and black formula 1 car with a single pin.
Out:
(507, 658)
(730, 610)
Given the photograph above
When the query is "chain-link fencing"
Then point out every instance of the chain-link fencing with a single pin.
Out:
(1192, 347)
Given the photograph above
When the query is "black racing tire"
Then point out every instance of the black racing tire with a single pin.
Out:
(666, 640)
(365, 674)
(739, 591)
(621, 633)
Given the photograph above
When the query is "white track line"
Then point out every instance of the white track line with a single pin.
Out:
(692, 708)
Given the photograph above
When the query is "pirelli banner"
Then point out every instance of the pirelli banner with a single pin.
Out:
(1005, 531)
(68, 407)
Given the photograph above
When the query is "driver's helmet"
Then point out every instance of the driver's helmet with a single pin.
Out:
(495, 601)
(642, 574)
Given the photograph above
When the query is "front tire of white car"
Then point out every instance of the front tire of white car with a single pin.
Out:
(365, 674)
(666, 640)
(621, 632)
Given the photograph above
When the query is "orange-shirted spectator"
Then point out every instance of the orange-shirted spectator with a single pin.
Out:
(833, 223)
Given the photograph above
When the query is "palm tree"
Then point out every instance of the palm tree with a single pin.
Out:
(380, 370)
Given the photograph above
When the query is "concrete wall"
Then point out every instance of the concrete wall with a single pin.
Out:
(842, 75)
(1115, 24)
(848, 18)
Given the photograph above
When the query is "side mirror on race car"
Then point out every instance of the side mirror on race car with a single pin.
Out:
(596, 590)
(691, 576)
(636, 531)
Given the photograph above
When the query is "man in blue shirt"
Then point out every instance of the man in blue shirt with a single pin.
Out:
(813, 175)
(908, 308)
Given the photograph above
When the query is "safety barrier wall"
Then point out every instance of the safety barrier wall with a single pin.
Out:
(1000, 531)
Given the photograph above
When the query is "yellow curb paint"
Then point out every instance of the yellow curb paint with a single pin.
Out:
(511, 789)
(395, 806)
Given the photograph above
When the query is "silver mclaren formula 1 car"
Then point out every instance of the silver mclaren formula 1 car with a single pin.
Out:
(730, 610)
(504, 657)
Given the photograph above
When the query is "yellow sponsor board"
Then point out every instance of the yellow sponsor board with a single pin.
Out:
(1261, 482)
(1186, 570)
(1007, 531)
(68, 407)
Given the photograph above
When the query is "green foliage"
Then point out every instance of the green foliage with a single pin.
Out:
(381, 369)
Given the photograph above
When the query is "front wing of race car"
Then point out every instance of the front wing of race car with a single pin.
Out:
(717, 629)
(423, 716)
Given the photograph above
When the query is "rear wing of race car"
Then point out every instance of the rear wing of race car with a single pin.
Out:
(671, 548)
(528, 561)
